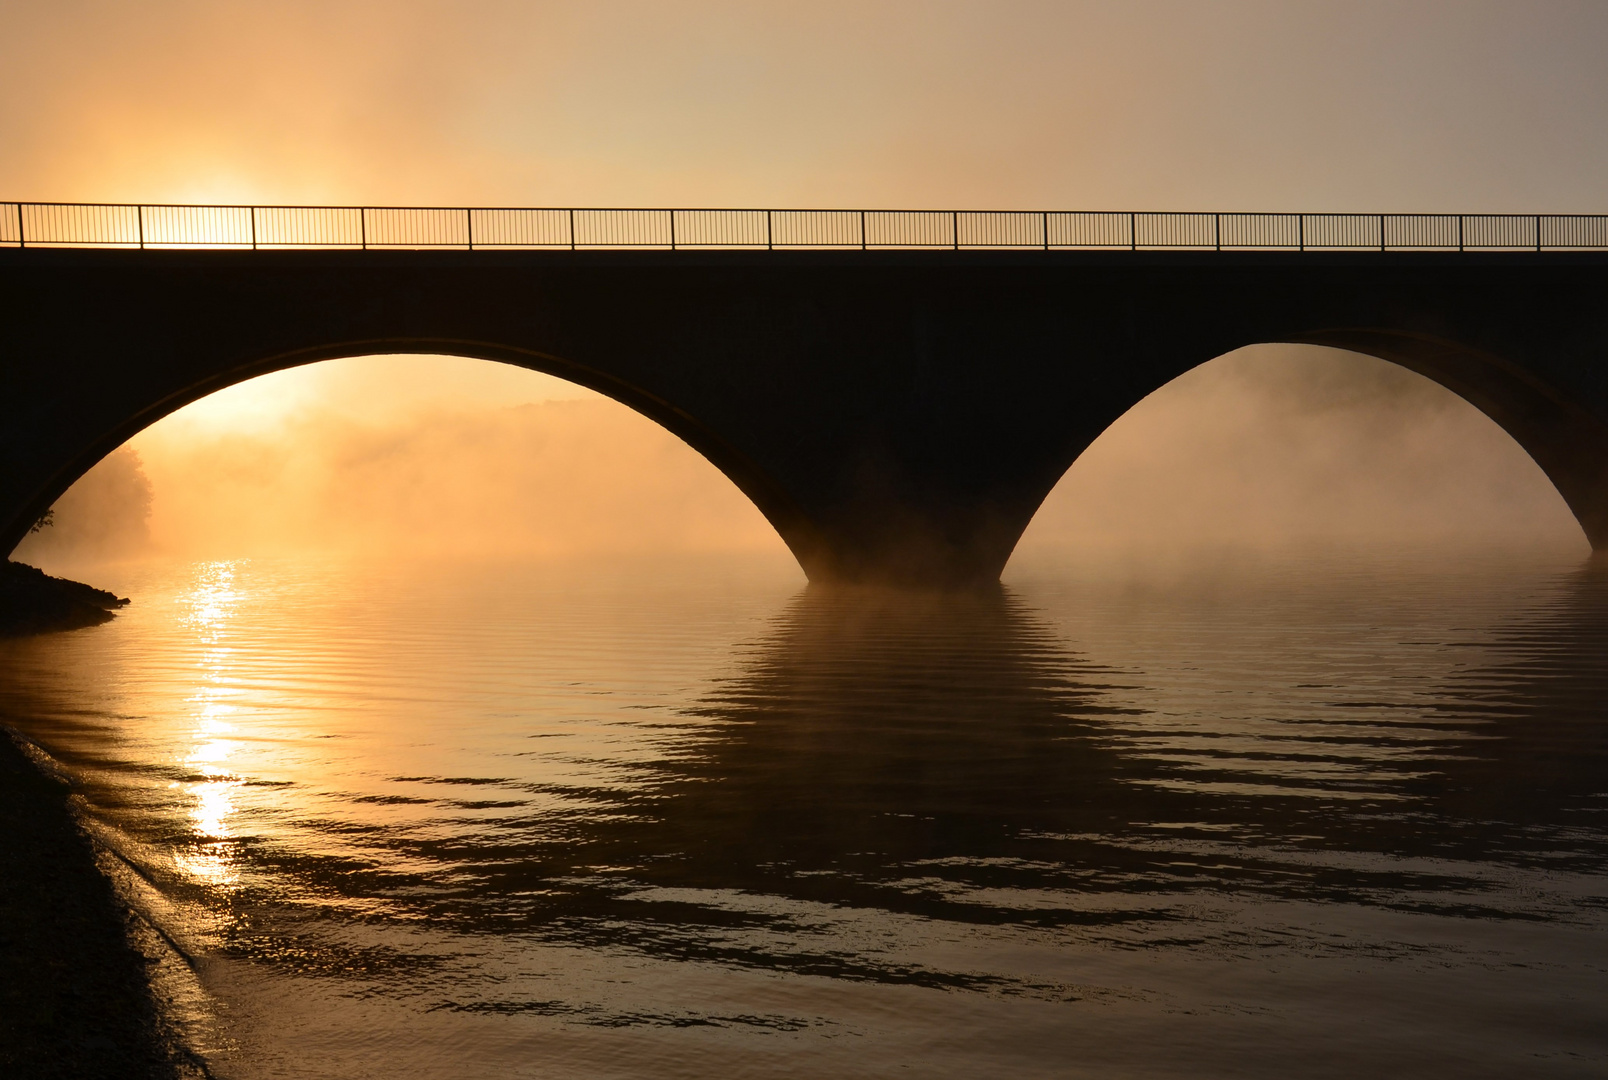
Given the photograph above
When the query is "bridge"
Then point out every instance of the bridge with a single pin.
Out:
(896, 391)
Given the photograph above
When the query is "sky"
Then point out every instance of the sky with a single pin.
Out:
(1365, 106)
(1360, 105)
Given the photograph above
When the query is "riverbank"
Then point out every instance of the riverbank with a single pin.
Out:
(75, 993)
(33, 602)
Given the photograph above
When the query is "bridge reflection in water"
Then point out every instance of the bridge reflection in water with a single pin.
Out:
(1349, 812)
(947, 758)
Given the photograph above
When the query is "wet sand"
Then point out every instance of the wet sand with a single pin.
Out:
(75, 997)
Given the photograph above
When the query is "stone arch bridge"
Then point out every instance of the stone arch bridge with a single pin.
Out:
(898, 415)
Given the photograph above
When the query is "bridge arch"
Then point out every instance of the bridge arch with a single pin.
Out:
(772, 502)
(898, 416)
(1563, 441)
(1563, 437)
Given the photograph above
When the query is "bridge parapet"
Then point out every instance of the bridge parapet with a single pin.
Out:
(130, 225)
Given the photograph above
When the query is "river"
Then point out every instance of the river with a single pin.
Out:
(1316, 814)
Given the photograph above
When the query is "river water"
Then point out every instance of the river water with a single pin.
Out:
(1319, 815)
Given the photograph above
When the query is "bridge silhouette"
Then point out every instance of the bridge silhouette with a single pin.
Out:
(897, 391)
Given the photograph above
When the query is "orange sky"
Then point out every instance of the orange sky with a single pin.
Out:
(1164, 104)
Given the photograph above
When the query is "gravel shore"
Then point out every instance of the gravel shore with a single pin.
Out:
(76, 998)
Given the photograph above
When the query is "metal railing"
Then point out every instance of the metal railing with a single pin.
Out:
(169, 226)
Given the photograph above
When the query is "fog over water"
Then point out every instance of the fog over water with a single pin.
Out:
(1279, 445)
(423, 456)
(419, 457)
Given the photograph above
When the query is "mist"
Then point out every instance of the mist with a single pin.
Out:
(104, 516)
(423, 457)
(1294, 446)
(557, 478)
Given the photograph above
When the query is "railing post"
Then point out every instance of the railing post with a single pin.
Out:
(954, 228)
(1044, 227)
(139, 219)
(253, 210)
(1217, 231)
(1538, 232)
(22, 240)
(1459, 232)
(1133, 231)
(1381, 232)
(362, 226)
(672, 230)
(862, 230)
(572, 229)
(469, 226)
(769, 244)
(1300, 232)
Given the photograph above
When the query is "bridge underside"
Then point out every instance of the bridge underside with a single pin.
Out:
(898, 416)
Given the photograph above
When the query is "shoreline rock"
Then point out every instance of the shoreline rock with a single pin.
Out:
(33, 602)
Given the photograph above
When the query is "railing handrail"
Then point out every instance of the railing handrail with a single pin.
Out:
(290, 225)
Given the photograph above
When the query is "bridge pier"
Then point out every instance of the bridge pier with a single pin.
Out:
(883, 534)
(898, 416)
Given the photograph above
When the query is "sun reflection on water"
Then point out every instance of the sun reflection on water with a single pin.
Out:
(211, 605)
(209, 858)
(212, 599)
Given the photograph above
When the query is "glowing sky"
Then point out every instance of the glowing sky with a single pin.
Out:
(1149, 104)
